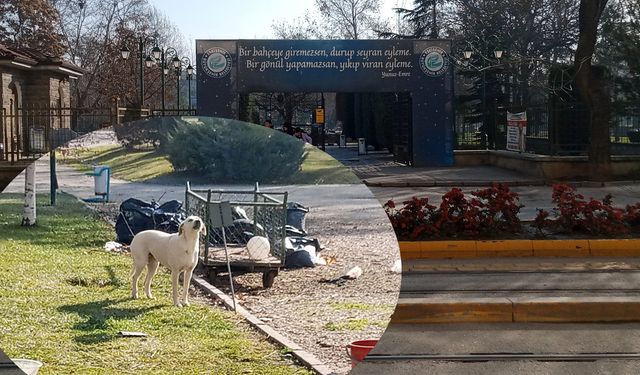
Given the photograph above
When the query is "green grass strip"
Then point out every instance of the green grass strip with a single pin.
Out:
(64, 300)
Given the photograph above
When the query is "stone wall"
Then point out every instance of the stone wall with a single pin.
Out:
(548, 167)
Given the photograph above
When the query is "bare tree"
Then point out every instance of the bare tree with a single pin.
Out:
(335, 19)
(93, 35)
(351, 19)
(30, 24)
(305, 27)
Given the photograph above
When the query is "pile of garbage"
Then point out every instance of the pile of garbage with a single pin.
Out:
(136, 215)
(301, 250)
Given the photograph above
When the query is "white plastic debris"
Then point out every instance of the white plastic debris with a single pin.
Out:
(397, 267)
(319, 261)
(354, 273)
(114, 247)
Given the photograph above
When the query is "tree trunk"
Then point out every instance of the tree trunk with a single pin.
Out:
(29, 208)
(593, 89)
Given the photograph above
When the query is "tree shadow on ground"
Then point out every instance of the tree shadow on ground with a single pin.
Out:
(94, 328)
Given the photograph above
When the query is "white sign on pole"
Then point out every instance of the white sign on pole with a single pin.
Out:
(516, 131)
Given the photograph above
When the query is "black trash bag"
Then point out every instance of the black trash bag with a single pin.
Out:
(172, 206)
(292, 231)
(296, 215)
(297, 255)
(299, 259)
(136, 216)
(239, 233)
(168, 216)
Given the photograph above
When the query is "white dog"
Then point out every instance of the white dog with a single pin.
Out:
(178, 251)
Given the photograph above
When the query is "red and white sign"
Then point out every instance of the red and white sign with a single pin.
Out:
(516, 131)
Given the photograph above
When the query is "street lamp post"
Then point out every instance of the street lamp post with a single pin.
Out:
(497, 54)
(179, 64)
(161, 55)
(189, 75)
(125, 52)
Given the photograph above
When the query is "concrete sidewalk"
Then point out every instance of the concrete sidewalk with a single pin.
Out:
(380, 170)
(388, 179)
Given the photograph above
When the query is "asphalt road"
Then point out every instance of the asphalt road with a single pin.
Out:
(465, 339)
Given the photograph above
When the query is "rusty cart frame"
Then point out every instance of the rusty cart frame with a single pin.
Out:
(255, 213)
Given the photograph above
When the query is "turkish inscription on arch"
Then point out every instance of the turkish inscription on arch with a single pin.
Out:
(420, 67)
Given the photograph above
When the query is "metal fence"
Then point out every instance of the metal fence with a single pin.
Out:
(559, 130)
(30, 132)
(172, 112)
(626, 127)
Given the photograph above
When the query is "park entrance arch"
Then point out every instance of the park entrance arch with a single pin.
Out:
(420, 68)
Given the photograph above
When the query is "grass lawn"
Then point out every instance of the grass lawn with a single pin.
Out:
(131, 166)
(317, 166)
(64, 300)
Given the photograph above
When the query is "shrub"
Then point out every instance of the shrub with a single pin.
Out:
(233, 151)
(490, 211)
(498, 209)
(574, 214)
(414, 220)
(632, 215)
(156, 132)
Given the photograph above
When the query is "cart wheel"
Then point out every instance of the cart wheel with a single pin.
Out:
(268, 278)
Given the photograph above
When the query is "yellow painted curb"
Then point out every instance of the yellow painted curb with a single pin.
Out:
(448, 249)
(517, 310)
(505, 248)
(615, 247)
(519, 248)
(412, 311)
(561, 248)
(409, 250)
(575, 310)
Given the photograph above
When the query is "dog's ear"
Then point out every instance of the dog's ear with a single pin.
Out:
(203, 230)
(180, 230)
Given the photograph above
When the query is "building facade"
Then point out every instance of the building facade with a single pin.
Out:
(30, 82)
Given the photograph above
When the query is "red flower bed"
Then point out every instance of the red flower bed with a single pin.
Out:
(488, 211)
(492, 212)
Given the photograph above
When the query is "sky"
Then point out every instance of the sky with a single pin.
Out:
(240, 19)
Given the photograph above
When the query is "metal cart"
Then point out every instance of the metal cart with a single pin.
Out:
(253, 213)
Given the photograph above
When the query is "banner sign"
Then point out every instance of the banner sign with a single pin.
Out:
(336, 65)
(516, 131)
(228, 68)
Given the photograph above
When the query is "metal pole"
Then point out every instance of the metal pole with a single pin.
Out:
(53, 177)
(324, 122)
(141, 53)
(162, 73)
(484, 110)
(189, 81)
(178, 87)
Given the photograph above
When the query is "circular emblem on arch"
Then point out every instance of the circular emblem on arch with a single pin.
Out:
(434, 61)
(216, 62)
